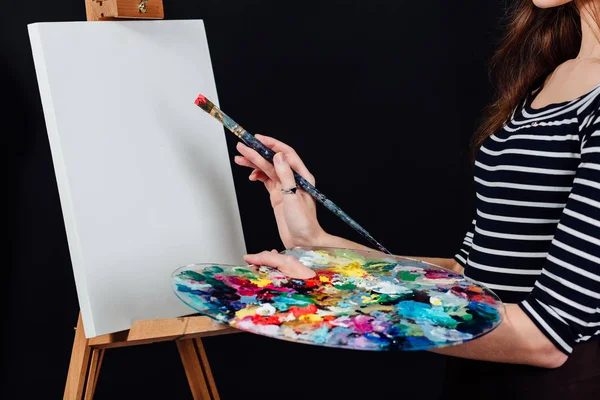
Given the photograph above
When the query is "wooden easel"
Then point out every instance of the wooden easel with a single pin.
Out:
(107, 10)
(187, 332)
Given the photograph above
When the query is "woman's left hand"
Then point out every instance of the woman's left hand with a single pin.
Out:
(288, 265)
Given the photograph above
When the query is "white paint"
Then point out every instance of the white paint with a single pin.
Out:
(144, 176)
(266, 310)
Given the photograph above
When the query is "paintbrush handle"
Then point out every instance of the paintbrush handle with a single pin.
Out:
(268, 154)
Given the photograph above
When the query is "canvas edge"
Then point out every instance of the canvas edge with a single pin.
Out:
(62, 181)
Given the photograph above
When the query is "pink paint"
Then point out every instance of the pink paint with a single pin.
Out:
(362, 324)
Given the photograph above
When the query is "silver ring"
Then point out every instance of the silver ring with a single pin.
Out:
(290, 190)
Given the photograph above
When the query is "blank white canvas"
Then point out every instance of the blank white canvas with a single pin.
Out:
(143, 174)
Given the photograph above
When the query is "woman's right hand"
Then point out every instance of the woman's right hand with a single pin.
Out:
(295, 214)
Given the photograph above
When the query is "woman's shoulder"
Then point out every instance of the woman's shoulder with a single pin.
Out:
(574, 78)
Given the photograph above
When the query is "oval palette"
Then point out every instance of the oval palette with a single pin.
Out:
(357, 300)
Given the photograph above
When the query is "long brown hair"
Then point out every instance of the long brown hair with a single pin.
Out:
(535, 43)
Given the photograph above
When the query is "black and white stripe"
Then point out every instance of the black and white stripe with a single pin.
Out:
(535, 239)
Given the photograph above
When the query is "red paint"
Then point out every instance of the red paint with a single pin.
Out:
(264, 296)
(200, 100)
(436, 275)
(326, 273)
(482, 298)
(298, 311)
(475, 289)
(260, 320)
(313, 282)
(459, 291)
(243, 285)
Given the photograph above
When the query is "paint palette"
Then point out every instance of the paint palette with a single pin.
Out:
(357, 300)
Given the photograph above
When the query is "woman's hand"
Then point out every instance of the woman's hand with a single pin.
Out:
(295, 214)
(288, 265)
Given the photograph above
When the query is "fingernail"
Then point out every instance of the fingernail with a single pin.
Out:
(279, 158)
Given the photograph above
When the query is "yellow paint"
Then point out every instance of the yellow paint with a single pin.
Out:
(376, 307)
(323, 278)
(245, 312)
(262, 282)
(378, 265)
(369, 300)
(310, 318)
(353, 269)
(435, 301)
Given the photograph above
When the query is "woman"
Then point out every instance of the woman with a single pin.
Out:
(535, 239)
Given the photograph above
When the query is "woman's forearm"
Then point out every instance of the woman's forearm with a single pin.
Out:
(328, 240)
(516, 341)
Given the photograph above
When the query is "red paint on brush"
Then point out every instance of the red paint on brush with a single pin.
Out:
(201, 100)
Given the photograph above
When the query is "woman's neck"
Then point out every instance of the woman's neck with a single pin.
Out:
(590, 32)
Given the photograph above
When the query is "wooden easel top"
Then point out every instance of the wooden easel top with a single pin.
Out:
(111, 10)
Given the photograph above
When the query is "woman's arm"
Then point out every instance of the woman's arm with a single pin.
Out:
(516, 340)
(328, 240)
(295, 214)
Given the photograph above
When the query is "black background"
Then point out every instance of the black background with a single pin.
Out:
(379, 97)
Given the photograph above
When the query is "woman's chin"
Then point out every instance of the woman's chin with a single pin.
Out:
(550, 3)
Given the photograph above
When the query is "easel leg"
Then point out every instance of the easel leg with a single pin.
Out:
(206, 368)
(78, 366)
(95, 364)
(197, 369)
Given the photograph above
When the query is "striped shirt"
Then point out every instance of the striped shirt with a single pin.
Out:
(535, 239)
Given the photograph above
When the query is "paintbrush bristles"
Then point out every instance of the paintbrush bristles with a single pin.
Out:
(204, 103)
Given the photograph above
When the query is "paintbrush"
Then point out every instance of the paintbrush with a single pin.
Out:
(268, 154)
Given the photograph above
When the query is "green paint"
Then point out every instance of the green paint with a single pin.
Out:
(246, 272)
(345, 286)
(216, 283)
(192, 275)
(410, 330)
(390, 299)
(374, 267)
(407, 276)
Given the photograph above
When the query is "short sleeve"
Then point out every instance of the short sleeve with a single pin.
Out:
(463, 252)
(565, 301)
